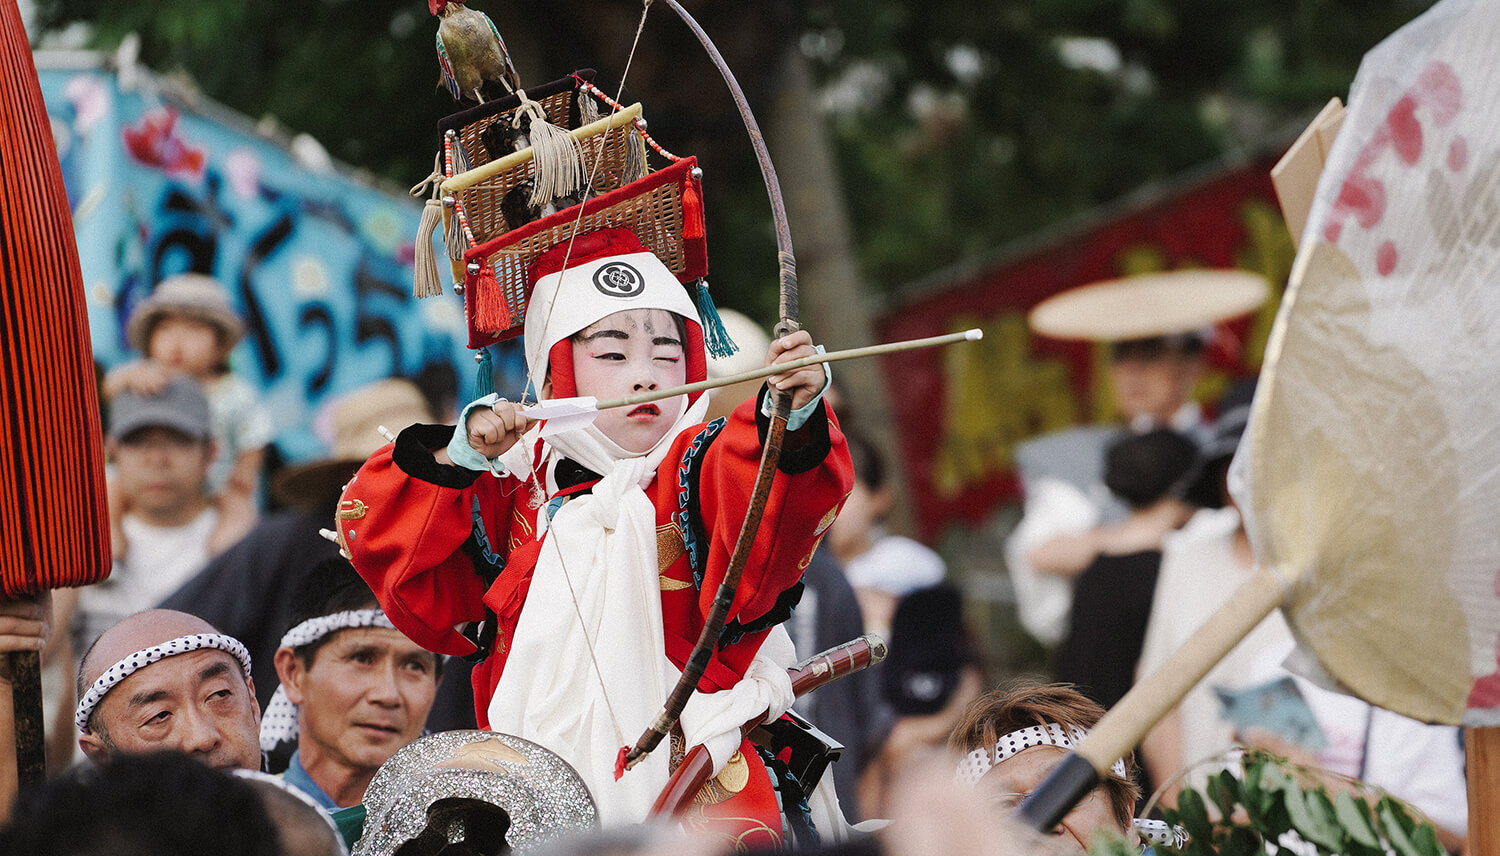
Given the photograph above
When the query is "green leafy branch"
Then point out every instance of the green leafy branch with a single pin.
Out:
(1241, 815)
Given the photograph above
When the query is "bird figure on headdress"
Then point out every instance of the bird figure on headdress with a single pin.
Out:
(476, 67)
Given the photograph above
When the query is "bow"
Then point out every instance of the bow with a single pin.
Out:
(781, 402)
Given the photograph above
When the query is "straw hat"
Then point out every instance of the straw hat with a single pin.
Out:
(1149, 305)
(190, 295)
(355, 420)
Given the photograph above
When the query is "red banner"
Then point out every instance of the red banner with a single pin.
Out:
(961, 411)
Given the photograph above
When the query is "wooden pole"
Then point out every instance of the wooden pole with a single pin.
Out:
(1483, 749)
(26, 701)
(1148, 701)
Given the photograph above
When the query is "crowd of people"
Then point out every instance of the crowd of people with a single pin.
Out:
(260, 681)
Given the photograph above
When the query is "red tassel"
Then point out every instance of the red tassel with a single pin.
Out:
(491, 310)
(692, 210)
(620, 762)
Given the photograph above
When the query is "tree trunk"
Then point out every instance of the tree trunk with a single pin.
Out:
(836, 308)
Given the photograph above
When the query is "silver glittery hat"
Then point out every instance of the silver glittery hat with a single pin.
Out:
(466, 786)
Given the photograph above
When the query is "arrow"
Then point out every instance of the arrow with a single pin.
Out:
(567, 414)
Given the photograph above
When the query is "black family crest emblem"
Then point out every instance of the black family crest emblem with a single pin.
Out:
(618, 279)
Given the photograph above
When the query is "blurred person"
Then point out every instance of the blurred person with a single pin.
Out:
(1151, 473)
(157, 804)
(161, 447)
(1062, 475)
(927, 680)
(302, 827)
(933, 812)
(187, 327)
(1201, 567)
(881, 567)
(353, 691)
(1013, 737)
(167, 680)
(753, 342)
(1157, 328)
(248, 589)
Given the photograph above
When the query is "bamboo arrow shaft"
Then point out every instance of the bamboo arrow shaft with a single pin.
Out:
(793, 365)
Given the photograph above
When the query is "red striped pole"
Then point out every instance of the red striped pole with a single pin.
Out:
(54, 522)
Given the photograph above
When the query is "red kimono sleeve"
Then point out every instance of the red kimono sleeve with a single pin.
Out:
(813, 478)
(411, 528)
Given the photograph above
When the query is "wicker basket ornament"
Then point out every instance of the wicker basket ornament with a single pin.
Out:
(664, 209)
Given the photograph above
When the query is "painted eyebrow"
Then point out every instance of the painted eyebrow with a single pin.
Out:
(667, 340)
(605, 334)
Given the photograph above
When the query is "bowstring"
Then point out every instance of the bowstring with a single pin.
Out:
(535, 384)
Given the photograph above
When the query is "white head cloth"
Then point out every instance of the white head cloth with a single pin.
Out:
(566, 302)
(145, 657)
(980, 761)
(279, 723)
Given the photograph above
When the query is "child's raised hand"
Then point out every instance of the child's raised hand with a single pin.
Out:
(143, 377)
(493, 430)
(804, 383)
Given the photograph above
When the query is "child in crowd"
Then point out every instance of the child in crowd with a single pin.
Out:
(583, 564)
(187, 327)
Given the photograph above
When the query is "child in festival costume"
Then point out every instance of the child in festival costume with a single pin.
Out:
(584, 566)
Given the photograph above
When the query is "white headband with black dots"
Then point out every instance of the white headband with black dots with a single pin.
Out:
(145, 657)
(279, 723)
(316, 628)
(980, 761)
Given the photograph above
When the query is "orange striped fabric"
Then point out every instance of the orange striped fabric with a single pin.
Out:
(54, 520)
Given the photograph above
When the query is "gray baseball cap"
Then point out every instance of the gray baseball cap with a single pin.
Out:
(181, 407)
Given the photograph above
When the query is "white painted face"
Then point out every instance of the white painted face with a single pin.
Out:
(629, 352)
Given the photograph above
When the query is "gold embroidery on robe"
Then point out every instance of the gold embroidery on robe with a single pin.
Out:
(827, 520)
(669, 546)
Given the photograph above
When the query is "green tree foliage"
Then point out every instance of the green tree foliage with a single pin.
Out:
(965, 125)
(961, 125)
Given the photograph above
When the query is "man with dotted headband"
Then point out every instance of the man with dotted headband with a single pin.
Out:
(353, 691)
(164, 680)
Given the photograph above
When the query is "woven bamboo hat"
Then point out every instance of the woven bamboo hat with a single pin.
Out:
(1149, 305)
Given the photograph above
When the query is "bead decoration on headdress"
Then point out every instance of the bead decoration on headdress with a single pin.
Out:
(974, 765)
(145, 657)
(279, 723)
(640, 123)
